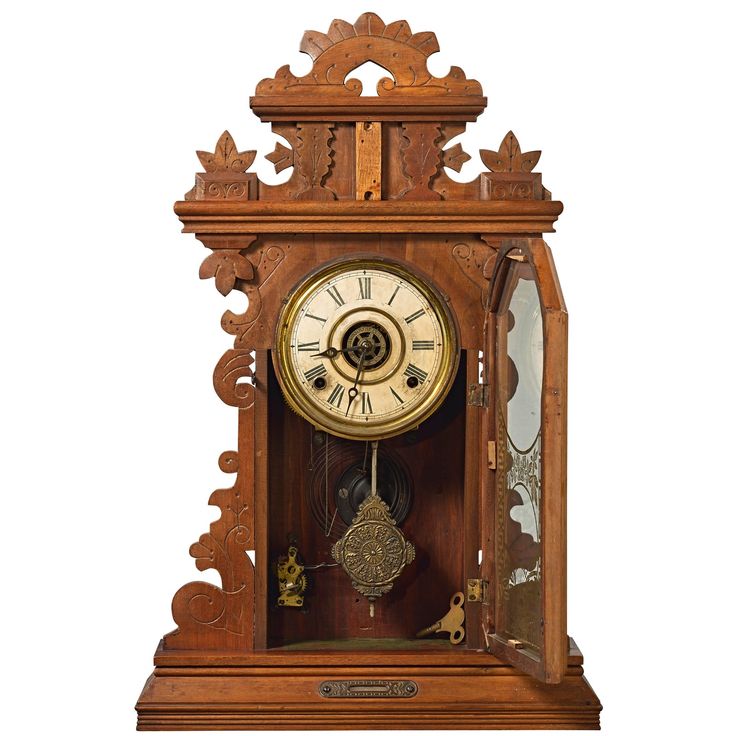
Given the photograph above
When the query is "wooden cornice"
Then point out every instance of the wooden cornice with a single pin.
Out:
(393, 216)
(339, 108)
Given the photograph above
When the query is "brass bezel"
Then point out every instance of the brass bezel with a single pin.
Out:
(291, 385)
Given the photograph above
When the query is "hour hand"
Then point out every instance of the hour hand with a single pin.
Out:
(334, 352)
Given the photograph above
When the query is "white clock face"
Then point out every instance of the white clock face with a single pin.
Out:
(366, 350)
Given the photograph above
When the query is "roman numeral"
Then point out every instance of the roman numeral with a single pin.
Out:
(414, 316)
(313, 316)
(393, 296)
(396, 396)
(418, 373)
(316, 372)
(422, 344)
(366, 407)
(335, 398)
(335, 294)
(308, 347)
(365, 287)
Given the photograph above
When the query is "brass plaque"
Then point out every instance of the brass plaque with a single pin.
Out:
(368, 689)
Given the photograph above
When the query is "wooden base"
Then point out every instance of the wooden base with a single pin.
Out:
(276, 690)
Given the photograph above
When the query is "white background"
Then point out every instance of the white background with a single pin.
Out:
(111, 430)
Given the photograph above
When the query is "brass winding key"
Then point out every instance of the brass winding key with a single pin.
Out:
(452, 622)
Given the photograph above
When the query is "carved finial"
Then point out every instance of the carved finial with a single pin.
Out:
(226, 157)
(281, 157)
(454, 157)
(509, 157)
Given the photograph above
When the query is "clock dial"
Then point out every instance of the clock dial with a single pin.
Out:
(365, 349)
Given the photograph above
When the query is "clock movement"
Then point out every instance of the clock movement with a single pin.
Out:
(392, 550)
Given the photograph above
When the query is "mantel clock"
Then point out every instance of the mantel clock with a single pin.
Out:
(392, 547)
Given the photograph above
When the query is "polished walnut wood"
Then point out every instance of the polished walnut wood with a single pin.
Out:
(368, 176)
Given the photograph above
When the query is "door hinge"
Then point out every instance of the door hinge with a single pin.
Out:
(477, 590)
(478, 394)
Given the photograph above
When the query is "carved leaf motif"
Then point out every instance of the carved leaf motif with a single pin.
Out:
(454, 157)
(313, 159)
(509, 157)
(398, 30)
(226, 266)
(226, 157)
(340, 29)
(204, 552)
(369, 24)
(239, 324)
(281, 157)
(426, 42)
(420, 156)
(314, 43)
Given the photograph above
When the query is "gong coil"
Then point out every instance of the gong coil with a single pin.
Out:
(340, 481)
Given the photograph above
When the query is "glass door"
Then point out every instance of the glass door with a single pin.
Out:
(526, 338)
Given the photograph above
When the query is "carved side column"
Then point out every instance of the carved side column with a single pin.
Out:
(222, 617)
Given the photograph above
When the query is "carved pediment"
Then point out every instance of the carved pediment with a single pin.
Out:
(393, 46)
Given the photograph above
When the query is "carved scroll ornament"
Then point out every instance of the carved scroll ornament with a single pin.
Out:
(236, 263)
(209, 616)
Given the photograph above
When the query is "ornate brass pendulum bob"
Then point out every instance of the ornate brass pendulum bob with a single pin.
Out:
(373, 551)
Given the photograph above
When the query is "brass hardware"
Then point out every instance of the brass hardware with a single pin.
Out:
(478, 394)
(292, 580)
(492, 454)
(368, 689)
(515, 643)
(451, 622)
(477, 590)
(516, 255)
(373, 551)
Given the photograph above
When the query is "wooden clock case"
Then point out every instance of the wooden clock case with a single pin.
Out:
(369, 178)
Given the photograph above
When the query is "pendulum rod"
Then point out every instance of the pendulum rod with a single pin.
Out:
(374, 492)
(374, 468)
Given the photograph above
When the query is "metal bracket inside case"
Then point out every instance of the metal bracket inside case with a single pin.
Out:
(478, 394)
(368, 689)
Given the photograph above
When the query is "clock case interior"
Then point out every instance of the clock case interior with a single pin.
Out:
(369, 176)
(305, 470)
(438, 460)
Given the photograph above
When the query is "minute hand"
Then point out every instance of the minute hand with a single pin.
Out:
(354, 390)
